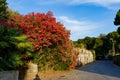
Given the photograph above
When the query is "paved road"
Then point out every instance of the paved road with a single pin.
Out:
(99, 70)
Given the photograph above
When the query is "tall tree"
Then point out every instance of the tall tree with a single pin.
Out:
(3, 7)
(11, 13)
(3, 13)
(117, 21)
(117, 18)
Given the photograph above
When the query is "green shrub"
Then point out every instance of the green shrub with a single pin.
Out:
(61, 66)
(13, 47)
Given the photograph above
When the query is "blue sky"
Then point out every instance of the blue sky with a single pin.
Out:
(82, 17)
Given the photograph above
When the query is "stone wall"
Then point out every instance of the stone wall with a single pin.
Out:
(9, 75)
(84, 56)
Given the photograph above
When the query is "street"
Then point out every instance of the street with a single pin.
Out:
(99, 70)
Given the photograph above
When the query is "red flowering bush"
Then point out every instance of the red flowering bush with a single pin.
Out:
(50, 39)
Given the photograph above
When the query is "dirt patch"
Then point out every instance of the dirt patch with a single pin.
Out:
(51, 74)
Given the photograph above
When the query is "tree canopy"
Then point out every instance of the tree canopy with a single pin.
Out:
(3, 7)
(117, 21)
(117, 18)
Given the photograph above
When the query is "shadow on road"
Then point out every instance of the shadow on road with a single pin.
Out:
(103, 67)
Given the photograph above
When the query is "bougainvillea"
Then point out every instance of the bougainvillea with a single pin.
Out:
(45, 32)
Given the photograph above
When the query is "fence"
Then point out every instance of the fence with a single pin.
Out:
(116, 60)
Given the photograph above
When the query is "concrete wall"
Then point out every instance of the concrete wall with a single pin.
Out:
(30, 73)
(9, 75)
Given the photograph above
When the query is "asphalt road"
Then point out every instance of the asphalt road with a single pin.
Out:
(99, 70)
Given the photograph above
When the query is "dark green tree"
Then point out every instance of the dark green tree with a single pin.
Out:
(89, 41)
(117, 18)
(14, 47)
(114, 37)
(98, 48)
(3, 13)
(3, 7)
(117, 21)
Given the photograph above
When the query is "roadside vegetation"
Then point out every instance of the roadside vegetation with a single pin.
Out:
(40, 39)
(36, 38)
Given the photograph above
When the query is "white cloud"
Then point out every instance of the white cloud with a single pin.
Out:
(78, 28)
(105, 3)
(67, 20)
(102, 2)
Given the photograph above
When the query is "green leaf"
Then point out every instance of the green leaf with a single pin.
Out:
(24, 45)
(20, 38)
(29, 53)
(4, 44)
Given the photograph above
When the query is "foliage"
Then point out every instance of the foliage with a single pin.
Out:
(3, 7)
(98, 43)
(50, 39)
(114, 35)
(81, 45)
(117, 21)
(88, 42)
(3, 12)
(118, 30)
(11, 14)
(13, 48)
(102, 44)
(117, 18)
